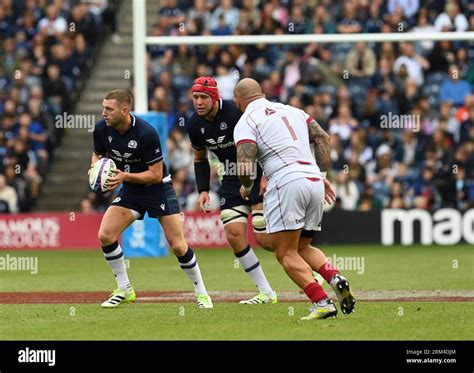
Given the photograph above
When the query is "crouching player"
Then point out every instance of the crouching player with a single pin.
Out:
(135, 147)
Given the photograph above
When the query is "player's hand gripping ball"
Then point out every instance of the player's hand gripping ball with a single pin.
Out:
(102, 170)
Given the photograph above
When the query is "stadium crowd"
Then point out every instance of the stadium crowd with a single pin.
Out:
(46, 51)
(400, 115)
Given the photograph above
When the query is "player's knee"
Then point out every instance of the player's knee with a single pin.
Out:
(107, 237)
(285, 258)
(178, 246)
(233, 233)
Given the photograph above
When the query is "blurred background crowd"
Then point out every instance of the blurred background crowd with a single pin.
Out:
(424, 89)
(46, 52)
(348, 88)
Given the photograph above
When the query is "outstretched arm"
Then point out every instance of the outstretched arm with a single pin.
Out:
(322, 148)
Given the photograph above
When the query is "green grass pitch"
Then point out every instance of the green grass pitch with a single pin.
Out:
(414, 268)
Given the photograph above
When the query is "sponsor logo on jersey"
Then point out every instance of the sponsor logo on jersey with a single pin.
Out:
(220, 139)
(269, 111)
(132, 144)
(118, 154)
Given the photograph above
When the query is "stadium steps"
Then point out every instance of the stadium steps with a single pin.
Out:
(66, 183)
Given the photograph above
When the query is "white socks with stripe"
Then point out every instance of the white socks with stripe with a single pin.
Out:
(114, 255)
(188, 263)
(249, 261)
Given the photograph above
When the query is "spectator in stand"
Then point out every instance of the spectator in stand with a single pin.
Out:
(423, 26)
(8, 197)
(226, 13)
(452, 19)
(53, 25)
(361, 64)
(403, 80)
(424, 194)
(56, 91)
(454, 88)
(414, 62)
(343, 124)
(171, 16)
(346, 190)
(348, 22)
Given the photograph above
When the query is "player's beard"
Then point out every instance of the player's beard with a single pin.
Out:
(115, 122)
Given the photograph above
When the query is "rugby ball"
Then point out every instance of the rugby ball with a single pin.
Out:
(101, 171)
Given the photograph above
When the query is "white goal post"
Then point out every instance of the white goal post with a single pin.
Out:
(141, 40)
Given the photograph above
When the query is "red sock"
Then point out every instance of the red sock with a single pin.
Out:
(315, 292)
(327, 270)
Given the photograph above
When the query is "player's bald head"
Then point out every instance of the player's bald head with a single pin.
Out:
(246, 91)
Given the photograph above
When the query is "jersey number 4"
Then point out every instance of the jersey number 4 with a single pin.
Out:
(290, 128)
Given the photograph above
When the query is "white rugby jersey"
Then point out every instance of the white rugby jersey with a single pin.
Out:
(281, 134)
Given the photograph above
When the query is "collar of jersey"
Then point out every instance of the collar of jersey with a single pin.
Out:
(257, 102)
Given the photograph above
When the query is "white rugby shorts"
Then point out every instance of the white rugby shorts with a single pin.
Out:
(294, 204)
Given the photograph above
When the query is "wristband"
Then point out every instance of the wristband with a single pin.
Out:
(202, 171)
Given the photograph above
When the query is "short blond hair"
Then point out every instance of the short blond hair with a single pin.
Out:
(121, 96)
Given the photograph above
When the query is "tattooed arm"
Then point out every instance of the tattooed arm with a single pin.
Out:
(246, 156)
(322, 147)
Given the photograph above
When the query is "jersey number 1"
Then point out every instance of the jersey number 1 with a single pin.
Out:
(290, 128)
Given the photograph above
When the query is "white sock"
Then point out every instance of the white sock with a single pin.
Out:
(249, 261)
(117, 261)
(188, 263)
